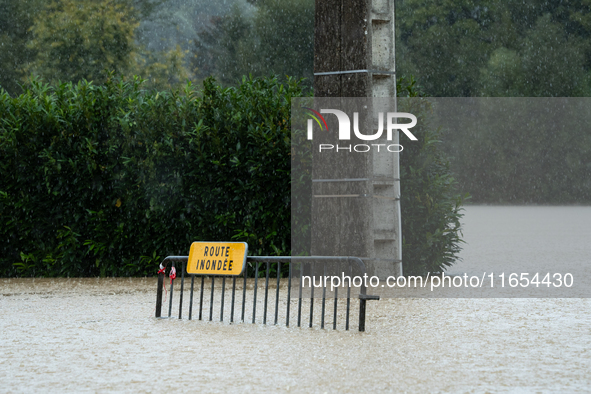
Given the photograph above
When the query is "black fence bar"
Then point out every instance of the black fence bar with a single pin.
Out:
(323, 297)
(288, 297)
(303, 263)
(201, 298)
(170, 298)
(300, 299)
(348, 298)
(211, 299)
(277, 292)
(191, 298)
(159, 290)
(334, 319)
(181, 297)
(233, 294)
(312, 295)
(266, 293)
(244, 295)
(362, 301)
(223, 293)
(256, 281)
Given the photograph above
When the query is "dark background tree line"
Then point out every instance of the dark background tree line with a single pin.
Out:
(454, 48)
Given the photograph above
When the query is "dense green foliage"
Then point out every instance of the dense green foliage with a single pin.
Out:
(496, 47)
(77, 40)
(277, 39)
(431, 207)
(456, 48)
(16, 19)
(105, 180)
(72, 40)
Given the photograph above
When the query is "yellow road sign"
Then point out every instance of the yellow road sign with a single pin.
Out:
(217, 258)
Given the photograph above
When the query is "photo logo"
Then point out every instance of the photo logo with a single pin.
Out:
(315, 115)
(345, 129)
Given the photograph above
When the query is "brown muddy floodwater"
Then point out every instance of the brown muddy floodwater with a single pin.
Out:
(99, 335)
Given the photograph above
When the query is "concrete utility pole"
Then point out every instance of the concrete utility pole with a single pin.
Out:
(354, 57)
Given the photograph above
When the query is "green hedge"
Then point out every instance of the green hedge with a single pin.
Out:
(106, 180)
(430, 203)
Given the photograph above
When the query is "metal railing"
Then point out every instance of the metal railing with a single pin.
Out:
(307, 262)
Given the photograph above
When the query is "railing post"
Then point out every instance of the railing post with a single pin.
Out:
(361, 314)
(363, 298)
(159, 294)
(362, 305)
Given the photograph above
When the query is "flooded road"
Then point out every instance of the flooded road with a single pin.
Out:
(99, 335)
